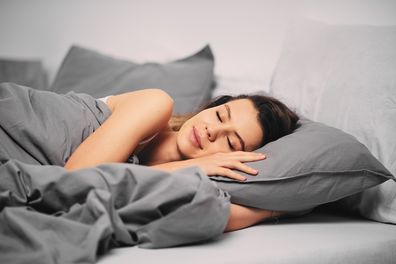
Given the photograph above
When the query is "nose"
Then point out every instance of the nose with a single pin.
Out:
(211, 134)
(215, 131)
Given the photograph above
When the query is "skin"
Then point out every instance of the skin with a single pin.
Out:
(140, 114)
(134, 117)
(217, 130)
(220, 149)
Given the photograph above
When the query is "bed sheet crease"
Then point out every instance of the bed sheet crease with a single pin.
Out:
(51, 215)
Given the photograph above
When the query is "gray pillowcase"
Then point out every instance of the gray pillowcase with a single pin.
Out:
(314, 165)
(345, 76)
(24, 72)
(188, 81)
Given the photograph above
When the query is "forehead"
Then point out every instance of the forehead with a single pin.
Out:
(244, 120)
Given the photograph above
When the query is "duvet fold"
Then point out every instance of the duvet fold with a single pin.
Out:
(51, 215)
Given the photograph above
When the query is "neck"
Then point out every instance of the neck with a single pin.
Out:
(161, 149)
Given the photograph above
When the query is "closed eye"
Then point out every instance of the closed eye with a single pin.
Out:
(229, 144)
(218, 116)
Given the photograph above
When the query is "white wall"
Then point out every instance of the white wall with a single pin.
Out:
(245, 35)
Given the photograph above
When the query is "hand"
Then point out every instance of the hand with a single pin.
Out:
(221, 164)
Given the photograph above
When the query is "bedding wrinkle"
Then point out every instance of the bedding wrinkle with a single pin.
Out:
(47, 137)
(78, 209)
(51, 215)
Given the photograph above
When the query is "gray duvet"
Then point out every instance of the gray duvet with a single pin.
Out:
(50, 215)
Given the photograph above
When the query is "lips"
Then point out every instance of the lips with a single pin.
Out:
(197, 138)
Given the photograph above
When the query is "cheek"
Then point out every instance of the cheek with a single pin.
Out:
(182, 140)
(184, 146)
(215, 147)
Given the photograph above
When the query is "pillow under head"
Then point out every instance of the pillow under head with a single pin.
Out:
(345, 76)
(314, 165)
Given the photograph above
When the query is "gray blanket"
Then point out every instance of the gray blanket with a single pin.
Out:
(50, 215)
(42, 127)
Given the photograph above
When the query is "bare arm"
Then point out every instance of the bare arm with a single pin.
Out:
(243, 216)
(222, 164)
(173, 165)
(240, 216)
(135, 116)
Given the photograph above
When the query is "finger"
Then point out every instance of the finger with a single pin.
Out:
(230, 174)
(246, 155)
(243, 167)
(247, 158)
(247, 152)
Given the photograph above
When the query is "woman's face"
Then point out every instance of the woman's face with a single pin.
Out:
(228, 127)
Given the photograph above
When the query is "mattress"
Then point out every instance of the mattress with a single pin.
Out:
(319, 237)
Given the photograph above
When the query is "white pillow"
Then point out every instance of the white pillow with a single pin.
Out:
(227, 85)
(345, 76)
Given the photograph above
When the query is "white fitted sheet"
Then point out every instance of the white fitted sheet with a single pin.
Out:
(320, 237)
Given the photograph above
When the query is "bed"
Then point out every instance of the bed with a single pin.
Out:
(336, 67)
(320, 237)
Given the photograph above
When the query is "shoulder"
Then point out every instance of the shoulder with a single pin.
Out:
(152, 96)
(142, 112)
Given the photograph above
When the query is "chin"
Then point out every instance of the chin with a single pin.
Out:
(183, 148)
(186, 150)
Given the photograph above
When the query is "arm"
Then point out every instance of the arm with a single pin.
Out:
(243, 216)
(173, 165)
(240, 216)
(135, 116)
(222, 164)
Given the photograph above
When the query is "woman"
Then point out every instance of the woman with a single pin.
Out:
(219, 138)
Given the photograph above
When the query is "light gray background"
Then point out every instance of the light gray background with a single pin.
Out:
(246, 36)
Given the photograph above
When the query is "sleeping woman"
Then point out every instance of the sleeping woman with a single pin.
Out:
(219, 138)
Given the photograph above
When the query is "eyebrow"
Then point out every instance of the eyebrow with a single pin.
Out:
(236, 133)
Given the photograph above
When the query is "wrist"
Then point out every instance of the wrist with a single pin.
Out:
(172, 166)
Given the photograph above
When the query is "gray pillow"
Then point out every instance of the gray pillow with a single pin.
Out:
(23, 72)
(189, 81)
(345, 76)
(315, 164)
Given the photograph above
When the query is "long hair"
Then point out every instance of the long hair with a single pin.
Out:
(177, 120)
(274, 117)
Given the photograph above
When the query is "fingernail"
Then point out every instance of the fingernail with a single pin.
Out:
(243, 179)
